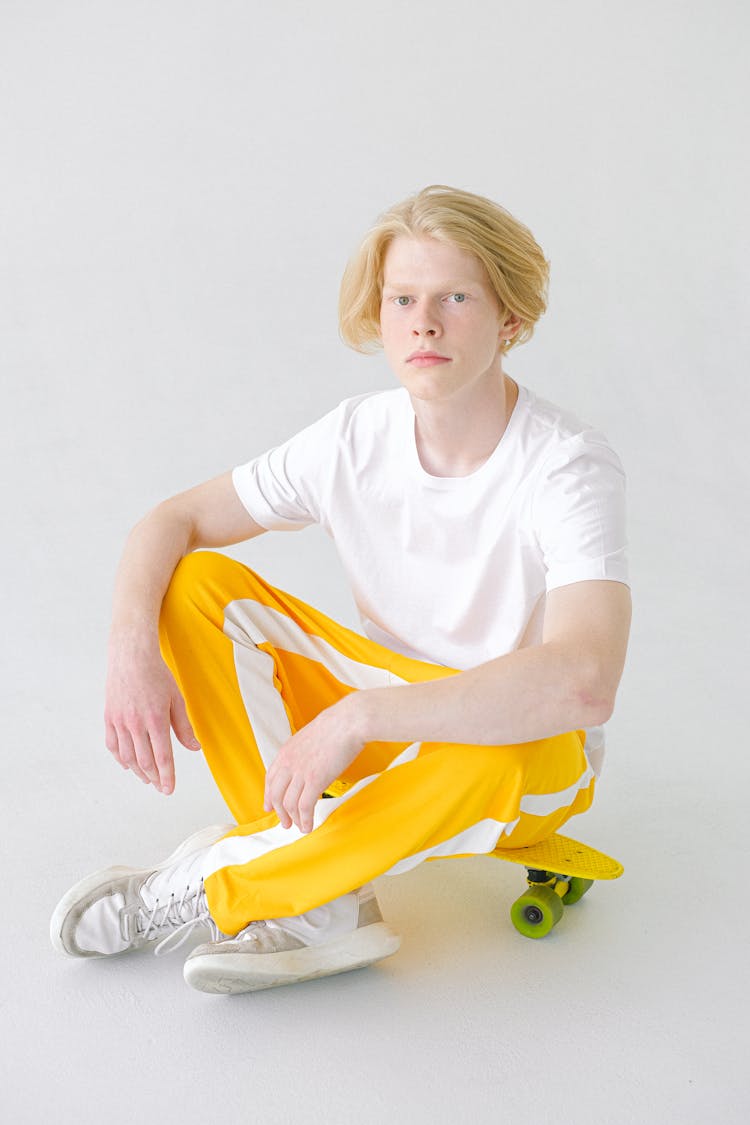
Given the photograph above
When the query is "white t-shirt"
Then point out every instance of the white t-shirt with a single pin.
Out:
(451, 570)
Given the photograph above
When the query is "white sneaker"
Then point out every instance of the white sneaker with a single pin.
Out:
(124, 908)
(345, 934)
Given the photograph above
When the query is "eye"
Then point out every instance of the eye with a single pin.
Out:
(402, 302)
(458, 298)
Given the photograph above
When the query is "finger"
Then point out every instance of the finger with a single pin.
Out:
(144, 753)
(181, 724)
(270, 786)
(163, 758)
(307, 802)
(128, 755)
(282, 814)
(275, 799)
(112, 744)
(125, 749)
(290, 802)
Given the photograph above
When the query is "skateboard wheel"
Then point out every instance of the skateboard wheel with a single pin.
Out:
(536, 912)
(576, 889)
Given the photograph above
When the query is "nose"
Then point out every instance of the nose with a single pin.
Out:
(426, 322)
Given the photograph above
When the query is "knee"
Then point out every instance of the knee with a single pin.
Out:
(207, 578)
(193, 571)
(198, 577)
(205, 583)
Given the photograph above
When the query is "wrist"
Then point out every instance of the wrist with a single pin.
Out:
(360, 714)
(135, 636)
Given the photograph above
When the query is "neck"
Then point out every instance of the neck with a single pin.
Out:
(455, 436)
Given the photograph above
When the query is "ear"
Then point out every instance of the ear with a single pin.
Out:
(509, 328)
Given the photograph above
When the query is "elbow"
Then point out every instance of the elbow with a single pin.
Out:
(597, 712)
(595, 699)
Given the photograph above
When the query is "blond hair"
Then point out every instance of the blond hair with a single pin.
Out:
(517, 270)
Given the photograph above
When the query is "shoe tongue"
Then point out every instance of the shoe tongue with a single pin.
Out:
(173, 880)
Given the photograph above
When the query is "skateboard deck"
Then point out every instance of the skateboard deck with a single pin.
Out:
(565, 857)
(559, 873)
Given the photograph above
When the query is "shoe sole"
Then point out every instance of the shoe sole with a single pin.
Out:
(90, 883)
(231, 973)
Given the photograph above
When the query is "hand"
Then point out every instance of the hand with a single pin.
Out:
(311, 760)
(142, 702)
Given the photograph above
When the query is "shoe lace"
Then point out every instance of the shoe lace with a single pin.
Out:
(178, 915)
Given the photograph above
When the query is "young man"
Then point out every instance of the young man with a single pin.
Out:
(482, 529)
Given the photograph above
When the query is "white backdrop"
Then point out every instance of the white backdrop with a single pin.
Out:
(182, 184)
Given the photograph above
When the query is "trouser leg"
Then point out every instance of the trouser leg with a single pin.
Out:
(435, 801)
(254, 665)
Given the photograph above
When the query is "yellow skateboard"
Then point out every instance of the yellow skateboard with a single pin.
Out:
(559, 871)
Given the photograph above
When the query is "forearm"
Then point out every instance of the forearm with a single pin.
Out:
(143, 700)
(209, 515)
(152, 551)
(530, 694)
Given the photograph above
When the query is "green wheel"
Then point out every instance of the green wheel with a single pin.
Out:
(536, 912)
(577, 889)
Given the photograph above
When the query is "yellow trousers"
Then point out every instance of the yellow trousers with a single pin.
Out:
(254, 665)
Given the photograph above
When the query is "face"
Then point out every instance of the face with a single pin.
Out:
(439, 318)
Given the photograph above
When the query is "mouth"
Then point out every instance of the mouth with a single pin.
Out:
(426, 359)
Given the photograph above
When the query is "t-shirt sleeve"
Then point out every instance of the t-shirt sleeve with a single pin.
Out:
(579, 512)
(285, 488)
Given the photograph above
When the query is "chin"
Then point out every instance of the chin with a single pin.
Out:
(429, 389)
(419, 389)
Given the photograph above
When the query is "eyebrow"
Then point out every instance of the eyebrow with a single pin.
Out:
(460, 283)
